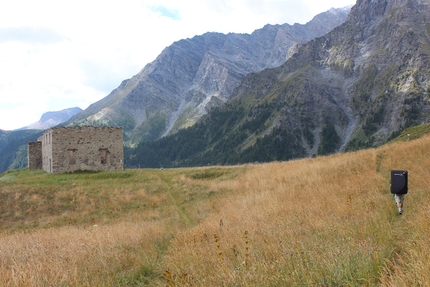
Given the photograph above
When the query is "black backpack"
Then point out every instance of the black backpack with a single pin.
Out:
(399, 181)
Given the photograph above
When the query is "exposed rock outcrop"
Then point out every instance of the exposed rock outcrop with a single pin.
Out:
(193, 75)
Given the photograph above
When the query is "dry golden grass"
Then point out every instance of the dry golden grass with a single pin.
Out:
(70, 256)
(328, 221)
(307, 221)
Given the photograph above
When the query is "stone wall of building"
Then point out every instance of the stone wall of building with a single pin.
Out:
(34, 155)
(68, 149)
(46, 139)
(85, 148)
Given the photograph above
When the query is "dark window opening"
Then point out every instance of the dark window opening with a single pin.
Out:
(104, 153)
(72, 156)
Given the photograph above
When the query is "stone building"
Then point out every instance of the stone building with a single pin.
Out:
(68, 149)
(34, 155)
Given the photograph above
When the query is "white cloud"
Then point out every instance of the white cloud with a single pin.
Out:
(29, 35)
(60, 54)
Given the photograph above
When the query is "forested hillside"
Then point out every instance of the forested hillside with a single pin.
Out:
(227, 136)
(13, 148)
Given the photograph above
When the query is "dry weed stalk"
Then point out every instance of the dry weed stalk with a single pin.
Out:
(245, 237)
(218, 248)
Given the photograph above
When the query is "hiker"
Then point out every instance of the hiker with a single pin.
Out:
(399, 199)
(399, 187)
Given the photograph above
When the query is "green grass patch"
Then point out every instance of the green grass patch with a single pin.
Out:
(412, 133)
(208, 174)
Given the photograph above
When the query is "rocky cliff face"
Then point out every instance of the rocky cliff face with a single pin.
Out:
(353, 88)
(193, 75)
(367, 78)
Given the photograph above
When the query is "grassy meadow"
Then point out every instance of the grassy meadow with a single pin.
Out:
(326, 221)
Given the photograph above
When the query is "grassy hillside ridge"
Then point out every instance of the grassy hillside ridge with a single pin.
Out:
(412, 133)
(326, 221)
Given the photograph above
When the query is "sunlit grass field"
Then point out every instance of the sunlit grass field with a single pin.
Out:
(326, 221)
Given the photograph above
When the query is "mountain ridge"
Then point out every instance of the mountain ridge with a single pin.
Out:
(53, 118)
(158, 122)
(355, 87)
(346, 61)
(193, 75)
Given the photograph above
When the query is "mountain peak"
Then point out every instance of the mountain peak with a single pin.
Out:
(368, 10)
(50, 119)
(192, 76)
(355, 87)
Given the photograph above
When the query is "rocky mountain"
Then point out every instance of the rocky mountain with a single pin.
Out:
(367, 78)
(50, 119)
(185, 81)
(194, 75)
(355, 87)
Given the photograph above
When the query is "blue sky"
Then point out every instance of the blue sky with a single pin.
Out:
(61, 54)
(173, 14)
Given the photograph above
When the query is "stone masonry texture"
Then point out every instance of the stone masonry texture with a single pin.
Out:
(68, 149)
(34, 155)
